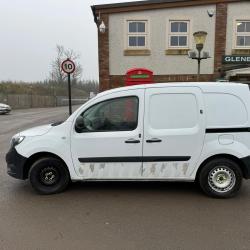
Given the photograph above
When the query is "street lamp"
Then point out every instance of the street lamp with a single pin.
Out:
(200, 39)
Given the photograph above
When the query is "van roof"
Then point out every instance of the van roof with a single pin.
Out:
(204, 86)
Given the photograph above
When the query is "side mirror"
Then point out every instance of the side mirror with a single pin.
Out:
(80, 125)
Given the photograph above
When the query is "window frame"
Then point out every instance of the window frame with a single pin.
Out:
(111, 131)
(237, 34)
(178, 34)
(137, 34)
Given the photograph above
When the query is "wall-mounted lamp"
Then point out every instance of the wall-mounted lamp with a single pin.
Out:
(102, 27)
(211, 13)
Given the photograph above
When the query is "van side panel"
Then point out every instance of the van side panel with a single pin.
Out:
(227, 112)
(224, 110)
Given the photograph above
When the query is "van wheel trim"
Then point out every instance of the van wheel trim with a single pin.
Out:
(49, 176)
(221, 179)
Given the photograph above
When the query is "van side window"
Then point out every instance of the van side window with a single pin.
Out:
(119, 114)
(173, 111)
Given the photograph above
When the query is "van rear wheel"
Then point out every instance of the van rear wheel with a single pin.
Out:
(49, 176)
(221, 178)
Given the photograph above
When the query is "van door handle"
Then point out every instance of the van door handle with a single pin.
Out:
(154, 140)
(131, 141)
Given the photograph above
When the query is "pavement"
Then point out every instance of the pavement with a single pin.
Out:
(126, 216)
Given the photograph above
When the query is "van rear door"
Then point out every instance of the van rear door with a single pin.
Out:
(174, 132)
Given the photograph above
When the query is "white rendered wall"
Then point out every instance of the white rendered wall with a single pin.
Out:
(236, 11)
(160, 63)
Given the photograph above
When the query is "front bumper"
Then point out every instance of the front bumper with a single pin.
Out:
(5, 110)
(15, 164)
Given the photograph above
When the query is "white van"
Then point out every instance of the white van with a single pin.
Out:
(179, 132)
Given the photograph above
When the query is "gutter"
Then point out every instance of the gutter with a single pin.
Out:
(153, 4)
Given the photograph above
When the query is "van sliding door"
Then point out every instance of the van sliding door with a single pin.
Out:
(174, 130)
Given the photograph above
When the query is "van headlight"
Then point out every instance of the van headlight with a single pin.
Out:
(16, 140)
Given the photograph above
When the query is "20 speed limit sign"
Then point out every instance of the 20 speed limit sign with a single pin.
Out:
(68, 66)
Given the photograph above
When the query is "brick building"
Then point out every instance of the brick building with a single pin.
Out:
(158, 35)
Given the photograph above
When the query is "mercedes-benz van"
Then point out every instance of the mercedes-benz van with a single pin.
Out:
(198, 132)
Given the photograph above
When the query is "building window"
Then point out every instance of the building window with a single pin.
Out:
(179, 34)
(137, 34)
(243, 34)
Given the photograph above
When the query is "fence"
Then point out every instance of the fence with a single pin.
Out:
(38, 101)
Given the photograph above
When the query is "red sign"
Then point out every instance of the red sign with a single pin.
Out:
(139, 76)
(68, 66)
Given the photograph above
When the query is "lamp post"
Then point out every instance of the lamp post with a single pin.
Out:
(200, 39)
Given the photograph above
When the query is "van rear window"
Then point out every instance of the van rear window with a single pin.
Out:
(225, 110)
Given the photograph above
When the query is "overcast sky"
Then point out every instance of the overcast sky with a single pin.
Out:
(30, 30)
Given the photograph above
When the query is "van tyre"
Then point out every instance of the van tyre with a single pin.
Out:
(220, 178)
(49, 176)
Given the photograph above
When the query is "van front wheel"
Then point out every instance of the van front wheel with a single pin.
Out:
(221, 178)
(49, 176)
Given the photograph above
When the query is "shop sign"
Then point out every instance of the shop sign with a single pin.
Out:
(236, 59)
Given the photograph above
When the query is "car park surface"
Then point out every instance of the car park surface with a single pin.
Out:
(114, 215)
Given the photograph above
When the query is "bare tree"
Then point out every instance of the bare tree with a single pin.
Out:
(56, 74)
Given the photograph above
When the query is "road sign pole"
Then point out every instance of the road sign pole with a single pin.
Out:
(69, 91)
(68, 67)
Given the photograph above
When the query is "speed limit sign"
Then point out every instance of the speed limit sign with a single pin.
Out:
(68, 66)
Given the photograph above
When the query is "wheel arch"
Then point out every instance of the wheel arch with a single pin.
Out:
(238, 161)
(33, 158)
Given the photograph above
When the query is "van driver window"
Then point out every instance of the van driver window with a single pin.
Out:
(120, 114)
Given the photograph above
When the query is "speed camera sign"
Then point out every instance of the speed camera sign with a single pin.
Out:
(68, 66)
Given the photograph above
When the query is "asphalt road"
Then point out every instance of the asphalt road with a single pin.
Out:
(169, 216)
